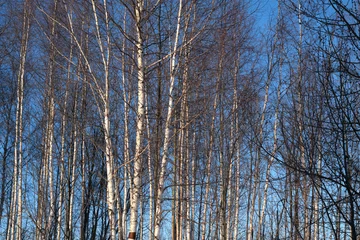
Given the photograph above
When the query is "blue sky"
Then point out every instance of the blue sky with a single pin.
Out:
(266, 13)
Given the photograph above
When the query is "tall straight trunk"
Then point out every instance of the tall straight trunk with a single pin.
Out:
(51, 124)
(118, 208)
(140, 123)
(317, 190)
(174, 198)
(84, 220)
(71, 174)
(158, 129)
(237, 193)
(150, 173)
(164, 159)
(85, 190)
(208, 170)
(5, 155)
(187, 182)
(304, 189)
(229, 199)
(127, 100)
(234, 155)
(121, 214)
(179, 183)
(105, 96)
(46, 208)
(272, 157)
(16, 207)
(250, 230)
(193, 188)
(223, 172)
(184, 151)
(62, 151)
(210, 150)
(236, 148)
(185, 143)
(7, 145)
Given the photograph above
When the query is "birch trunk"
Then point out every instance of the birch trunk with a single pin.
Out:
(127, 100)
(208, 169)
(272, 157)
(105, 56)
(15, 216)
(126, 157)
(158, 212)
(317, 190)
(223, 172)
(193, 188)
(140, 123)
(234, 146)
(151, 178)
(237, 194)
(250, 230)
(46, 208)
(210, 151)
(185, 144)
(85, 190)
(71, 174)
(51, 124)
(62, 152)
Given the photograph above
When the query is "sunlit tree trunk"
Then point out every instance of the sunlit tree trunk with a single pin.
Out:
(71, 173)
(234, 146)
(256, 186)
(208, 169)
(237, 193)
(104, 46)
(300, 113)
(150, 173)
(223, 172)
(185, 149)
(127, 100)
(193, 189)
(140, 122)
(164, 159)
(16, 208)
(62, 152)
(273, 153)
(46, 207)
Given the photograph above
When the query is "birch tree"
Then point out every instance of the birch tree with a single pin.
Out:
(158, 213)
(14, 228)
(140, 121)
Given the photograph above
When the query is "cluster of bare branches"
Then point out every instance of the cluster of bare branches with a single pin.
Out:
(155, 119)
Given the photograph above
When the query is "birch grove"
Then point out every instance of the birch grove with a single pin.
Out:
(177, 120)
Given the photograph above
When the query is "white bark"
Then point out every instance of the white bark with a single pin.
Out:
(270, 162)
(72, 168)
(151, 178)
(158, 212)
(237, 194)
(234, 146)
(51, 123)
(193, 187)
(210, 151)
(46, 208)
(267, 175)
(105, 56)
(135, 191)
(62, 153)
(208, 170)
(126, 158)
(15, 221)
(127, 100)
(185, 144)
